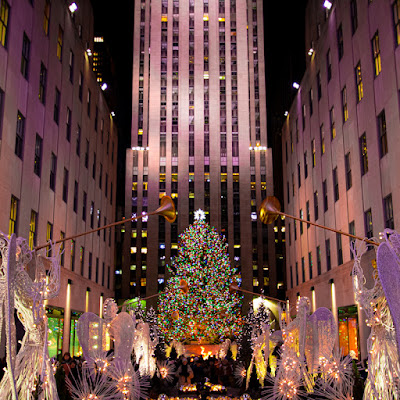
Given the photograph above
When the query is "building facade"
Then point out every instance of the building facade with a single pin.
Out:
(198, 135)
(340, 151)
(58, 152)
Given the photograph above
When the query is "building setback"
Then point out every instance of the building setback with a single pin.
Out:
(340, 151)
(58, 152)
(199, 134)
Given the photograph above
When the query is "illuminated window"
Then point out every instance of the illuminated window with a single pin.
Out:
(255, 281)
(4, 12)
(359, 82)
(369, 230)
(12, 228)
(142, 281)
(396, 20)
(314, 159)
(376, 51)
(32, 229)
(322, 138)
(364, 154)
(60, 43)
(345, 111)
(332, 122)
(348, 330)
(49, 237)
(46, 18)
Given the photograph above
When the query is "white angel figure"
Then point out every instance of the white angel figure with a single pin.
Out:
(144, 348)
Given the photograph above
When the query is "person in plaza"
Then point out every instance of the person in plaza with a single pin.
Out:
(185, 373)
(65, 362)
(198, 370)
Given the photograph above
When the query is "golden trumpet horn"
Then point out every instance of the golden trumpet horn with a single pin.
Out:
(269, 209)
(183, 285)
(166, 209)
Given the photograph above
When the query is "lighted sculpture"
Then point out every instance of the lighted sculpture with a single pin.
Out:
(381, 311)
(26, 294)
(144, 348)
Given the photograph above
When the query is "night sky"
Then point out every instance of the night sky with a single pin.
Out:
(285, 63)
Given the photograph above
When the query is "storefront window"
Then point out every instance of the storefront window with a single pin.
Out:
(348, 330)
(55, 318)
(74, 347)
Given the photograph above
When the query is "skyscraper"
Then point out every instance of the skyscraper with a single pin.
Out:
(199, 134)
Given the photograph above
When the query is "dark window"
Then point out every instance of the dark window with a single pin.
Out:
(1, 110)
(319, 260)
(316, 206)
(364, 154)
(26, 45)
(84, 202)
(62, 249)
(325, 194)
(340, 42)
(297, 274)
(89, 101)
(369, 230)
(53, 171)
(96, 118)
(329, 65)
(353, 15)
(308, 213)
(92, 214)
(291, 277)
(388, 210)
(298, 174)
(314, 155)
(295, 229)
(65, 186)
(339, 248)
(310, 101)
(319, 85)
(75, 205)
(328, 254)
(94, 166)
(97, 270)
(78, 141)
(82, 260)
(69, 122)
(349, 180)
(301, 224)
(383, 145)
(42, 83)
(20, 133)
(90, 266)
(352, 231)
(303, 119)
(335, 185)
(310, 265)
(305, 166)
(106, 186)
(108, 277)
(56, 113)
(71, 66)
(80, 84)
(101, 175)
(303, 269)
(73, 255)
(103, 272)
(37, 166)
(87, 154)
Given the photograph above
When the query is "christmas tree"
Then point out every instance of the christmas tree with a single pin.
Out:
(208, 313)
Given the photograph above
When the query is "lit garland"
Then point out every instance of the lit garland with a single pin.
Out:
(208, 312)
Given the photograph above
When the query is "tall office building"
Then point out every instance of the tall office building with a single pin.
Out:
(199, 135)
(58, 152)
(340, 154)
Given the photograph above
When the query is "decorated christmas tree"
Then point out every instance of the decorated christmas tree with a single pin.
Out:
(208, 313)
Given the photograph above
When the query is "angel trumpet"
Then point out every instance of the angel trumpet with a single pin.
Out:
(166, 209)
(270, 209)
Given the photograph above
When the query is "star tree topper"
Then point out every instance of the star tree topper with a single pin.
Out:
(199, 215)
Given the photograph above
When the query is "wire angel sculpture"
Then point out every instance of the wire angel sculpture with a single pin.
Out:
(27, 279)
(377, 303)
(144, 348)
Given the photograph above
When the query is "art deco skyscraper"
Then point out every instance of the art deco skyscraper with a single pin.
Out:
(199, 134)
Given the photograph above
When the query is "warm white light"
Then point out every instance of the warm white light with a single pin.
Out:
(104, 86)
(89, 52)
(112, 113)
(199, 215)
(311, 52)
(296, 85)
(73, 7)
(286, 113)
(327, 4)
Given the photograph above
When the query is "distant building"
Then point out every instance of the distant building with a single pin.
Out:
(341, 153)
(199, 134)
(58, 152)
